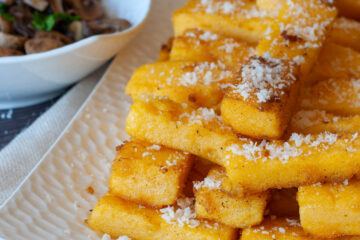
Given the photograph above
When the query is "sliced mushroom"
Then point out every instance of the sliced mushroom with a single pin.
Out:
(21, 12)
(11, 41)
(5, 52)
(76, 29)
(56, 5)
(26, 30)
(5, 25)
(38, 45)
(53, 35)
(88, 10)
(7, 2)
(108, 25)
(40, 5)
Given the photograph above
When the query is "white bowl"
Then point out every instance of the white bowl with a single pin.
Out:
(30, 79)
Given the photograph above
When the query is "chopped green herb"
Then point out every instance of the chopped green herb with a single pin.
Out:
(47, 23)
(5, 14)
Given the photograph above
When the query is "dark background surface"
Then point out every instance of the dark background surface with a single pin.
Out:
(13, 121)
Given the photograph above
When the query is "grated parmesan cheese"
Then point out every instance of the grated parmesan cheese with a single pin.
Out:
(229, 46)
(346, 24)
(293, 222)
(279, 150)
(264, 78)
(308, 118)
(225, 7)
(208, 36)
(203, 73)
(183, 215)
(124, 238)
(173, 163)
(208, 182)
(154, 147)
(200, 116)
(146, 154)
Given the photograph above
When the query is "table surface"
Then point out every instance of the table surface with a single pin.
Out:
(13, 121)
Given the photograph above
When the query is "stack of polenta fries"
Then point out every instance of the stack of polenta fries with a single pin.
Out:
(246, 127)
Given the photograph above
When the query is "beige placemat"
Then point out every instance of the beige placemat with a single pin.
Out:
(22, 154)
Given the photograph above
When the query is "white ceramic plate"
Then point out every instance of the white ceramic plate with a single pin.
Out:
(53, 202)
(29, 79)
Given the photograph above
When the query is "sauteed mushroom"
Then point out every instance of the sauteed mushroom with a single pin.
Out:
(11, 41)
(5, 25)
(5, 52)
(41, 25)
(88, 10)
(7, 2)
(108, 25)
(40, 5)
(53, 35)
(38, 45)
(78, 30)
(56, 5)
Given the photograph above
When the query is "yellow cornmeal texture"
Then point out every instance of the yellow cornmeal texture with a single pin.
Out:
(345, 32)
(237, 19)
(205, 46)
(296, 40)
(318, 121)
(200, 132)
(149, 174)
(282, 203)
(330, 210)
(339, 96)
(336, 61)
(304, 159)
(282, 229)
(117, 217)
(197, 84)
(215, 202)
(255, 105)
(348, 8)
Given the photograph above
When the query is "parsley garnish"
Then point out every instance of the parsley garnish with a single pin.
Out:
(47, 23)
(4, 14)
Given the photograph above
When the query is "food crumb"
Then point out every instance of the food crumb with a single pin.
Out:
(90, 190)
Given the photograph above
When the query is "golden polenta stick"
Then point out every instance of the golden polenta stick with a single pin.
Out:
(282, 203)
(345, 32)
(149, 174)
(197, 84)
(216, 202)
(329, 210)
(205, 46)
(335, 95)
(260, 102)
(237, 19)
(348, 8)
(335, 61)
(197, 131)
(295, 40)
(117, 217)
(282, 229)
(318, 121)
(303, 159)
